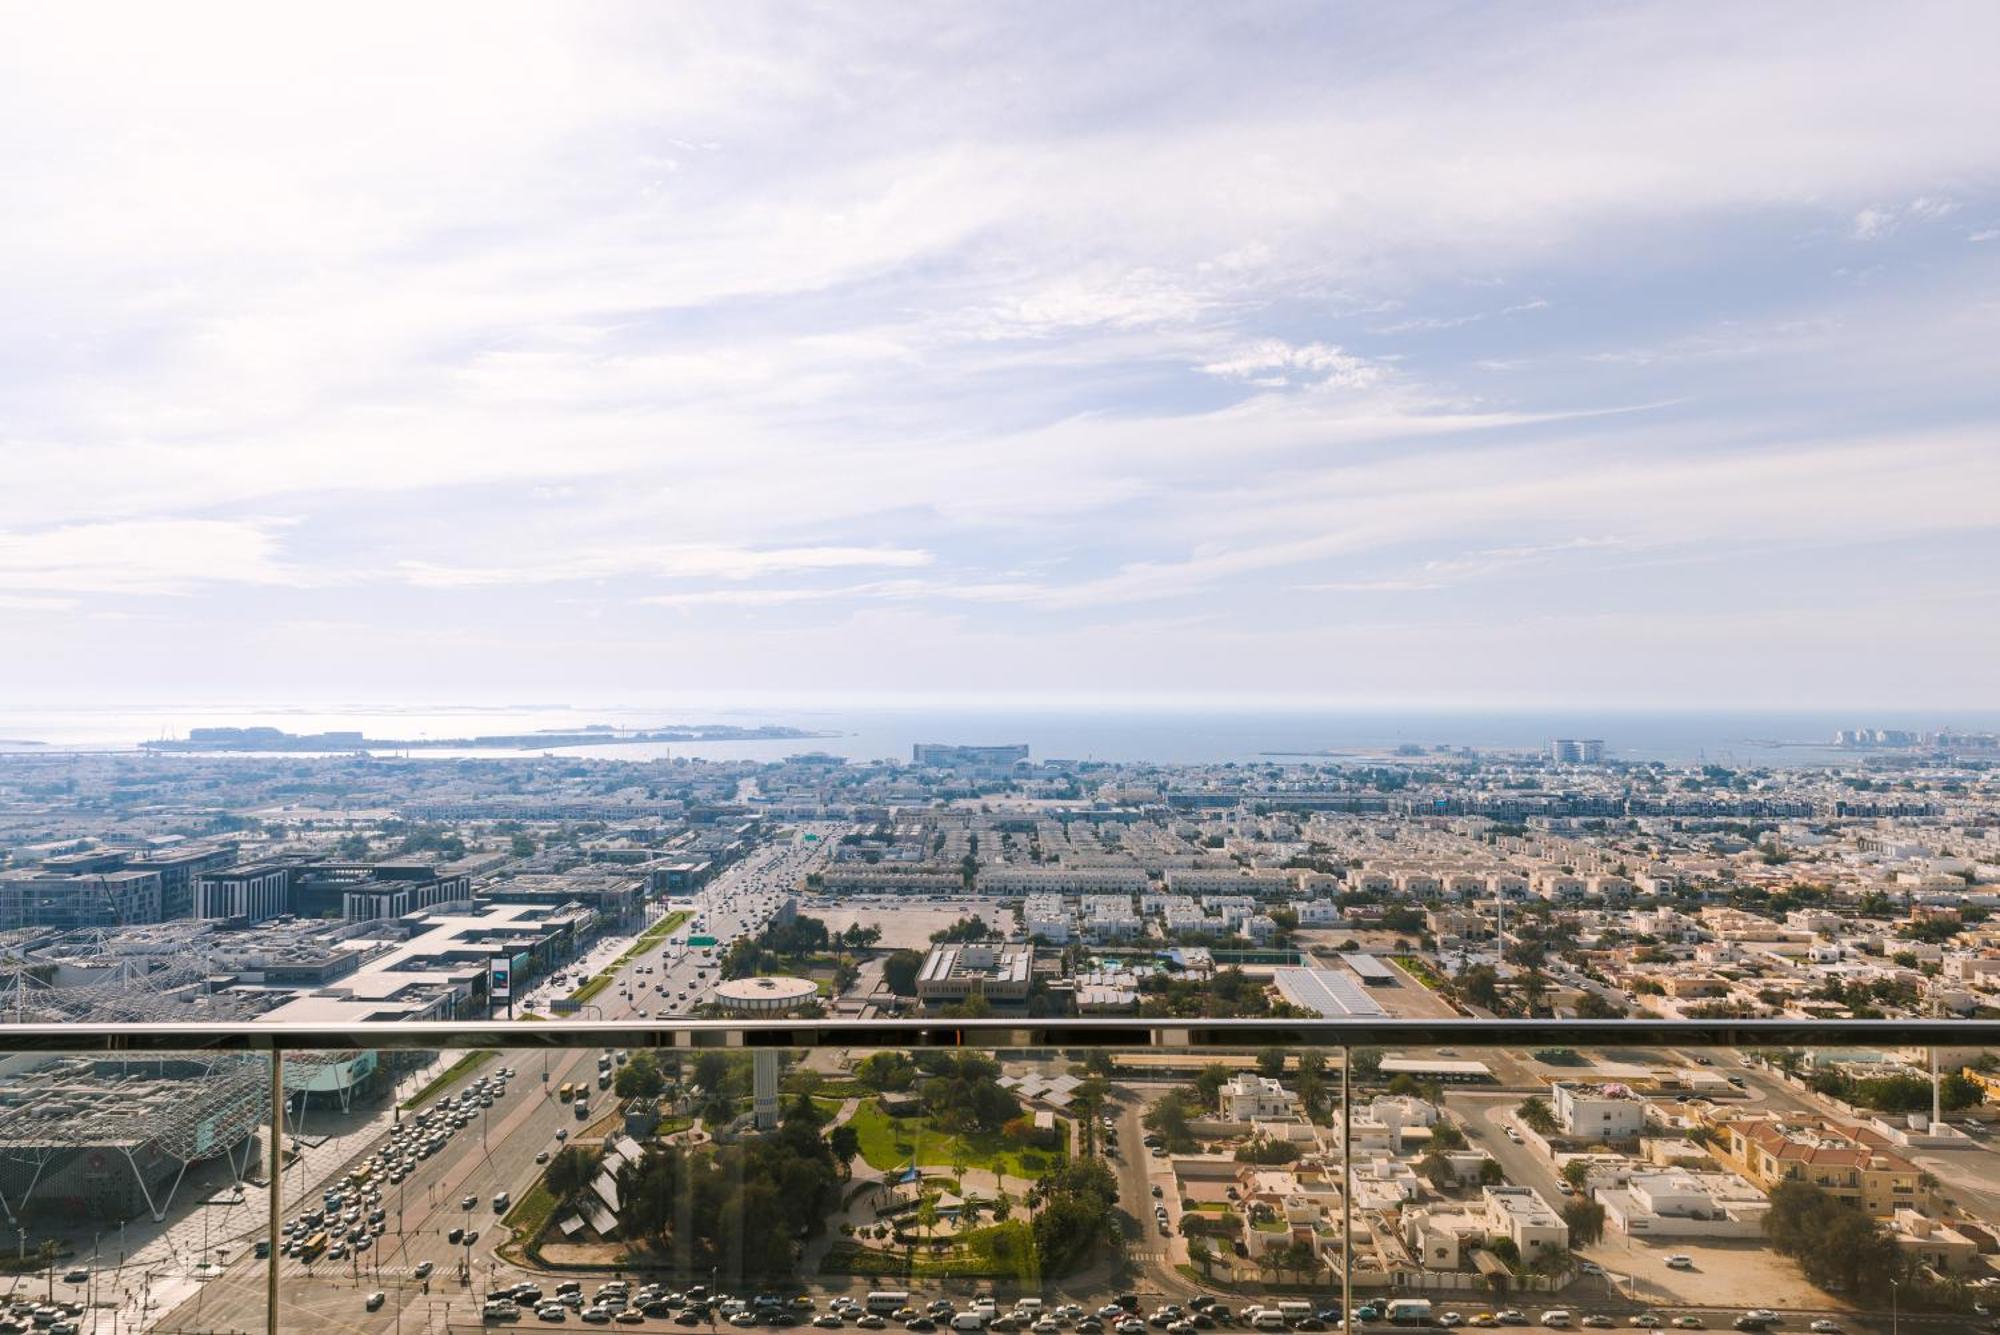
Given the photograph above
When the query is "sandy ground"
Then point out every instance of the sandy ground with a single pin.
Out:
(1726, 1274)
(906, 922)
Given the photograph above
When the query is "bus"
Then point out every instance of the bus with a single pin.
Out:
(884, 1301)
(567, 1092)
(310, 1249)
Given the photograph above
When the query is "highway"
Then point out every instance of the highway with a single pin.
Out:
(498, 1149)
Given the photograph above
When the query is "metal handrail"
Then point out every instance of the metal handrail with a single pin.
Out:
(998, 1034)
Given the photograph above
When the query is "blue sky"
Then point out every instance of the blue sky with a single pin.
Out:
(1477, 355)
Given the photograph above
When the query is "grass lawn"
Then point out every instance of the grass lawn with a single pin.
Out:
(647, 939)
(1419, 970)
(450, 1076)
(530, 1214)
(1000, 1250)
(887, 1142)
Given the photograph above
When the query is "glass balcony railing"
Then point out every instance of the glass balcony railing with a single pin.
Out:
(1049, 1176)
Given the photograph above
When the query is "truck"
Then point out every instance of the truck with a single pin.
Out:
(1408, 1312)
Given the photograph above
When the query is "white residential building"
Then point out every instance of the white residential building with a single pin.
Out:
(1251, 1098)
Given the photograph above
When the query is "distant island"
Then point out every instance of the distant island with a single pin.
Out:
(595, 734)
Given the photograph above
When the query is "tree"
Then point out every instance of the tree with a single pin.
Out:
(1535, 1115)
(1003, 1207)
(900, 971)
(1271, 1063)
(1833, 1241)
(1208, 1084)
(845, 1142)
(1591, 1006)
(1446, 1136)
(1490, 1173)
(1313, 1095)
(569, 1173)
(927, 1214)
(886, 1071)
(1366, 1064)
(1168, 1119)
(1202, 1255)
(1403, 1086)
(522, 846)
(639, 1078)
(1437, 1169)
(1586, 1222)
(1576, 1172)
(1480, 986)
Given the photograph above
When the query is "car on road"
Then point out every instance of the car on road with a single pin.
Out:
(376, 1299)
(1597, 1321)
(1645, 1321)
(552, 1312)
(468, 1203)
(629, 1317)
(1824, 1327)
(541, 1156)
(1685, 1322)
(424, 1269)
(596, 1316)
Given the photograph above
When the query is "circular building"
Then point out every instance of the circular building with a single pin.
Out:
(764, 996)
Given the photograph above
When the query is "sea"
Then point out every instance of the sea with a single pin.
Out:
(1192, 735)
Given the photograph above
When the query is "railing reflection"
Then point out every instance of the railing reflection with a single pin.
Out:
(1281, 1176)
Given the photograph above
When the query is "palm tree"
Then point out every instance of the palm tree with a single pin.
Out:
(1003, 1207)
(927, 1215)
(1202, 1255)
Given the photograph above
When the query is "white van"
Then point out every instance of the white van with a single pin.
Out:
(1267, 1318)
(1028, 1307)
(1557, 1319)
(974, 1319)
(1294, 1311)
(884, 1301)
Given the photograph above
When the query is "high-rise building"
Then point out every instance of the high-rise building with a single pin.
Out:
(764, 1088)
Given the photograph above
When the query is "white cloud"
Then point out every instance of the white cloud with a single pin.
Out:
(1319, 362)
(736, 309)
(728, 563)
(144, 557)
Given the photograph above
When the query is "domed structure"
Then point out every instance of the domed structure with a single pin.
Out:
(764, 996)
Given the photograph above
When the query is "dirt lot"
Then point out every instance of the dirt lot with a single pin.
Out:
(906, 922)
(1726, 1274)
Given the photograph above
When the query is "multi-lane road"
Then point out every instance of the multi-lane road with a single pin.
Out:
(428, 1281)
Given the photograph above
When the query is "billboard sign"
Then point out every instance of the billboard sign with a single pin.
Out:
(500, 979)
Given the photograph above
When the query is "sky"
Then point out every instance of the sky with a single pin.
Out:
(1482, 355)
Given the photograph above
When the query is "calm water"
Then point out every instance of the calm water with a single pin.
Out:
(1767, 738)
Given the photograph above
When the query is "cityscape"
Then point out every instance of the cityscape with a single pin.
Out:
(1605, 1181)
